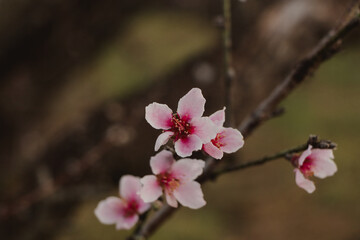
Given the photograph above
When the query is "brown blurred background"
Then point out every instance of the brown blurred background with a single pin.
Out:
(76, 76)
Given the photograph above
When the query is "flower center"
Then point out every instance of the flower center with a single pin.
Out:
(180, 127)
(306, 167)
(131, 208)
(216, 141)
(168, 182)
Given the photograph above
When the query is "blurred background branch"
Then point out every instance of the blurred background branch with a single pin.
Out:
(229, 72)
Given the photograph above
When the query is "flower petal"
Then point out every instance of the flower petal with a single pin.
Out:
(303, 182)
(151, 190)
(158, 116)
(190, 195)
(323, 166)
(213, 151)
(171, 200)
(322, 153)
(304, 155)
(192, 104)
(161, 162)
(142, 206)
(162, 139)
(127, 222)
(108, 211)
(185, 146)
(187, 169)
(232, 140)
(129, 186)
(204, 128)
(218, 117)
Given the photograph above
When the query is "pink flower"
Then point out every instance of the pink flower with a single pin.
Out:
(227, 140)
(176, 179)
(317, 162)
(123, 211)
(187, 126)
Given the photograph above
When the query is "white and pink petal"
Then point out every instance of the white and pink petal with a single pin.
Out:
(127, 222)
(304, 155)
(213, 151)
(163, 139)
(129, 186)
(204, 128)
(323, 168)
(187, 169)
(142, 206)
(190, 195)
(185, 146)
(191, 105)
(161, 162)
(322, 153)
(231, 140)
(171, 200)
(218, 117)
(151, 189)
(158, 116)
(303, 182)
(109, 211)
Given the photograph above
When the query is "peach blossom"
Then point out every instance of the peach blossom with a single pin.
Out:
(175, 179)
(188, 129)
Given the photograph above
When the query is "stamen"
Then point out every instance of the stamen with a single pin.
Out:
(216, 141)
(168, 182)
(181, 127)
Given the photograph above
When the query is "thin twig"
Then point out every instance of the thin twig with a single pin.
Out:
(324, 50)
(228, 63)
(258, 161)
(313, 140)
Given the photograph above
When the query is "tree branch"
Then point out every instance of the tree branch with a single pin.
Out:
(326, 48)
(323, 144)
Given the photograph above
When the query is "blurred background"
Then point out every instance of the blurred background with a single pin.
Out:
(76, 76)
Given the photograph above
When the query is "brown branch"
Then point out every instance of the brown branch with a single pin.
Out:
(313, 140)
(326, 48)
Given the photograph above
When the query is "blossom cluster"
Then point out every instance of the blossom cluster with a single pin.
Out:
(189, 131)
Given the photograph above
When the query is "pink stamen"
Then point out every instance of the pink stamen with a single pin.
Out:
(180, 127)
(216, 141)
(168, 182)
